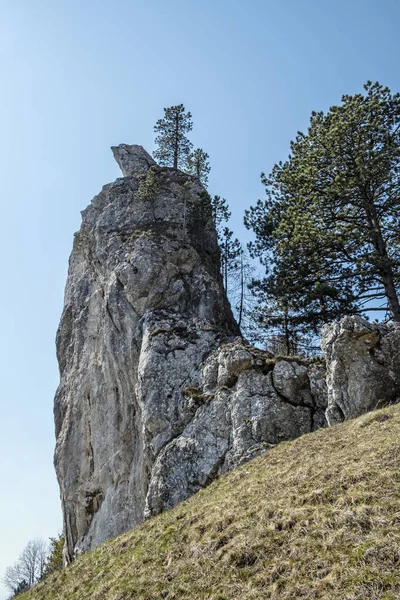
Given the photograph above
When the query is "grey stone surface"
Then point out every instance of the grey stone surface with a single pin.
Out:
(245, 404)
(363, 367)
(158, 394)
(144, 305)
(132, 159)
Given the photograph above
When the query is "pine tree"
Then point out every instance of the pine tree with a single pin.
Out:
(230, 247)
(220, 211)
(242, 298)
(54, 561)
(173, 145)
(230, 252)
(197, 164)
(330, 221)
(275, 323)
(199, 217)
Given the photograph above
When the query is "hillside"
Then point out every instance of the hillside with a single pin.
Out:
(317, 517)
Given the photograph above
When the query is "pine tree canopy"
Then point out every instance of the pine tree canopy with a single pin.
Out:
(328, 231)
(173, 147)
(197, 164)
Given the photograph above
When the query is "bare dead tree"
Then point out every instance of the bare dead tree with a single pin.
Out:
(29, 567)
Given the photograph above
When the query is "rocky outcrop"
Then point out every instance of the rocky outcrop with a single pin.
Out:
(158, 392)
(144, 306)
(363, 367)
(158, 395)
(246, 403)
(132, 159)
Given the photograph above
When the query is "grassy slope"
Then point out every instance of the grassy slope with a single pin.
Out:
(317, 517)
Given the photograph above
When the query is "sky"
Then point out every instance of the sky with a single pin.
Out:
(81, 75)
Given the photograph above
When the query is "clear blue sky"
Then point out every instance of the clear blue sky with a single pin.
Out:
(81, 75)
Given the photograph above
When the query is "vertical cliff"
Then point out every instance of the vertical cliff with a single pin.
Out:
(158, 394)
(144, 306)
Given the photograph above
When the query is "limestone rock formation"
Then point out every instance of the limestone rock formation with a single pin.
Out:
(158, 395)
(245, 403)
(132, 159)
(363, 367)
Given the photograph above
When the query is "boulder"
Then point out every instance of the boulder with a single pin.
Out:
(363, 367)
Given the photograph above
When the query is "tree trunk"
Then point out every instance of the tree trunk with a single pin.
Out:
(391, 295)
(323, 309)
(287, 334)
(176, 143)
(384, 268)
(241, 289)
(184, 216)
(226, 270)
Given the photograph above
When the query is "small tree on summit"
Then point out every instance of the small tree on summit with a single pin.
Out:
(173, 145)
(197, 164)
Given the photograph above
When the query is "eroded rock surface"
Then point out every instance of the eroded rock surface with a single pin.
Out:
(144, 306)
(132, 159)
(158, 395)
(245, 403)
(363, 367)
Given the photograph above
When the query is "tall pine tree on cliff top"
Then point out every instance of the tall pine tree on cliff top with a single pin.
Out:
(173, 145)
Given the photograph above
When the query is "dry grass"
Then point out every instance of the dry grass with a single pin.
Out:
(314, 518)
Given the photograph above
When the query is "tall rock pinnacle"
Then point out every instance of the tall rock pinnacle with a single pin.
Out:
(144, 306)
(158, 394)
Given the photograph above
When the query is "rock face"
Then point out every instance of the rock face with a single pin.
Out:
(363, 367)
(245, 403)
(132, 159)
(157, 394)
